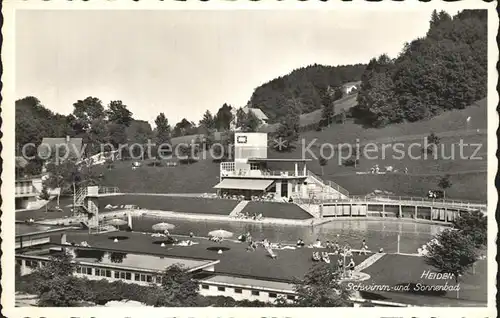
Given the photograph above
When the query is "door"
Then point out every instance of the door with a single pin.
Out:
(284, 189)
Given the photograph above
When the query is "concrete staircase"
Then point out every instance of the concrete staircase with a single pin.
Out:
(327, 190)
(238, 208)
(312, 209)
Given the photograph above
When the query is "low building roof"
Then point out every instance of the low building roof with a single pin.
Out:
(252, 283)
(132, 261)
(21, 162)
(257, 112)
(244, 184)
(48, 144)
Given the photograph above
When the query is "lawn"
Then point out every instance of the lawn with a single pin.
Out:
(199, 177)
(276, 210)
(174, 204)
(40, 214)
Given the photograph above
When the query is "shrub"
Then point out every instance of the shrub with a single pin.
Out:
(156, 163)
(351, 162)
(188, 161)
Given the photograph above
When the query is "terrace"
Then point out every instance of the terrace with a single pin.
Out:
(235, 260)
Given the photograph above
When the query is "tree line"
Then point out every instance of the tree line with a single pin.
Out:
(445, 70)
(308, 85)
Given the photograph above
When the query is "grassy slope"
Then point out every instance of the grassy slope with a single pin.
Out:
(199, 177)
(468, 176)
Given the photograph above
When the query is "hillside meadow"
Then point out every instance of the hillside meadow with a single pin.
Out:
(468, 176)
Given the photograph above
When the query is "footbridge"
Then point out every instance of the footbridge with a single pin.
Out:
(399, 207)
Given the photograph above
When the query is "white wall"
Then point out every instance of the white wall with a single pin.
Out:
(246, 293)
(250, 145)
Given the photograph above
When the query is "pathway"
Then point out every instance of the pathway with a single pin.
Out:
(369, 261)
(238, 208)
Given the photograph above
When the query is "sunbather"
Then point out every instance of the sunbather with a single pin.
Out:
(317, 243)
(271, 253)
(325, 257)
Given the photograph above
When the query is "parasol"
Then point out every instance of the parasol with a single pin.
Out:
(117, 222)
(220, 233)
(161, 227)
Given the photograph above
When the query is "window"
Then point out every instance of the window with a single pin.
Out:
(221, 288)
(238, 290)
(122, 275)
(137, 277)
(272, 295)
(254, 166)
(128, 276)
(89, 271)
(204, 287)
(290, 297)
(255, 293)
(78, 269)
(149, 278)
(31, 264)
(108, 273)
(143, 278)
(117, 274)
(100, 272)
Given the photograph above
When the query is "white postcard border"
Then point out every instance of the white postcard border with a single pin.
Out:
(8, 218)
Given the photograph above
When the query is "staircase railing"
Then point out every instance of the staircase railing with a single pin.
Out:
(328, 183)
(80, 195)
(108, 190)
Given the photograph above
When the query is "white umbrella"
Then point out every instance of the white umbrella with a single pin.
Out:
(117, 222)
(220, 233)
(161, 227)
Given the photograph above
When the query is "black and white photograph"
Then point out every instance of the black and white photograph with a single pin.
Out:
(249, 158)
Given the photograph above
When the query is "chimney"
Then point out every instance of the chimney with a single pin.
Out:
(67, 139)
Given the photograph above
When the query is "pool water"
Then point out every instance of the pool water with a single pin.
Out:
(378, 234)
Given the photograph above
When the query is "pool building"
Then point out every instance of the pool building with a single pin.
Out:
(250, 174)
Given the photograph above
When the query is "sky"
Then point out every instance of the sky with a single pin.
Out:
(182, 63)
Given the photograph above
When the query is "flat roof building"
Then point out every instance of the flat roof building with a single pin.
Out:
(249, 175)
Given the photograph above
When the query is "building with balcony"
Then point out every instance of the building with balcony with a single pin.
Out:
(250, 176)
(26, 192)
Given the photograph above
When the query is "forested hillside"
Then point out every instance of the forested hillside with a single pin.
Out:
(306, 86)
(445, 70)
